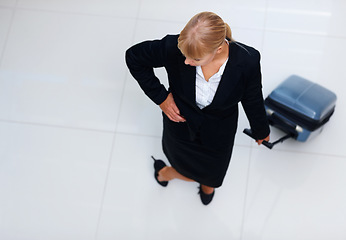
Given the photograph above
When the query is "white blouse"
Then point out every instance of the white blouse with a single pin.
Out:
(205, 90)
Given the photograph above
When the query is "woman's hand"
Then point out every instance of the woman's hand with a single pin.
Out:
(171, 110)
(259, 142)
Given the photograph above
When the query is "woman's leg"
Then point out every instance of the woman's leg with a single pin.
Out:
(169, 173)
(206, 189)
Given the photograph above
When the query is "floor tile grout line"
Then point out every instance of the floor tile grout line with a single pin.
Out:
(264, 25)
(76, 13)
(175, 21)
(310, 153)
(264, 29)
(242, 227)
(277, 30)
(109, 163)
(56, 126)
(115, 135)
(138, 134)
(298, 152)
(2, 53)
(242, 146)
(105, 187)
(127, 72)
(243, 222)
(153, 136)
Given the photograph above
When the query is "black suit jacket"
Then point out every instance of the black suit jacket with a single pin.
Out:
(215, 124)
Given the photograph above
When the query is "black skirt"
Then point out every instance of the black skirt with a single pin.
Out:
(193, 159)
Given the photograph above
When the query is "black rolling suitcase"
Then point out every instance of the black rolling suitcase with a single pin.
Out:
(298, 107)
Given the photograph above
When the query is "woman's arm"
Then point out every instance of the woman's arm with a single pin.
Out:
(141, 59)
(253, 103)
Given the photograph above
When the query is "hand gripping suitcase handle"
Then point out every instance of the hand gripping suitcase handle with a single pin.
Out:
(248, 132)
(269, 145)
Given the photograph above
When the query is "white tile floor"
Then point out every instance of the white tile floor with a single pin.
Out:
(76, 132)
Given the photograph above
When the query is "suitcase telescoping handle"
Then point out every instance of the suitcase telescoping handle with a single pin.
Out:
(269, 145)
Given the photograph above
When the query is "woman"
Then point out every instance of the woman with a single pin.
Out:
(208, 74)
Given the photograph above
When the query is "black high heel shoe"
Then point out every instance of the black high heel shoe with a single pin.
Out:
(158, 165)
(205, 198)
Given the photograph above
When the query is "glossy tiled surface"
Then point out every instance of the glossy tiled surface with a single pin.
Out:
(296, 195)
(51, 181)
(77, 133)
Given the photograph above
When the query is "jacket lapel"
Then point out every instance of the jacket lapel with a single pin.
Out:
(228, 83)
(188, 81)
(229, 80)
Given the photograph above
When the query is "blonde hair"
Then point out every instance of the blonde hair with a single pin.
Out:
(203, 34)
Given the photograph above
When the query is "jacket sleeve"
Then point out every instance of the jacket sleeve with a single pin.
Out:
(141, 59)
(252, 100)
